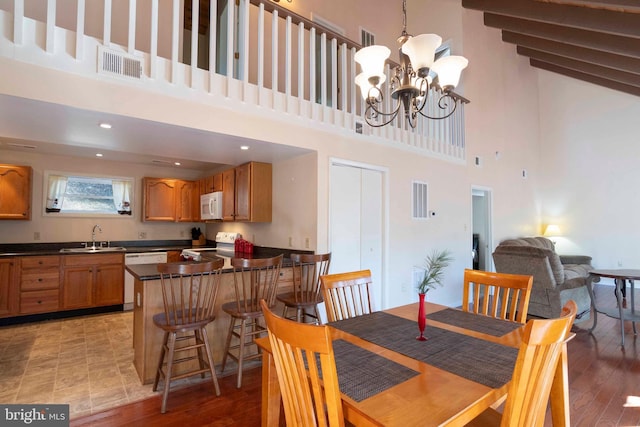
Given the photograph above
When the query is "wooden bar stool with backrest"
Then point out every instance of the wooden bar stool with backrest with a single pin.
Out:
(310, 393)
(542, 349)
(347, 295)
(306, 295)
(500, 295)
(254, 279)
(189, 293)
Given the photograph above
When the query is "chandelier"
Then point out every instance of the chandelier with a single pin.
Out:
(413, 79)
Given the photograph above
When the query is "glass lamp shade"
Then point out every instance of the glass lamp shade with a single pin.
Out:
(362, 80)
(371, 59)
(421, 50)
(449, 69)
(551, 230)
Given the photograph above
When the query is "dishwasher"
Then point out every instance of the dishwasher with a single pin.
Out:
(133, 259)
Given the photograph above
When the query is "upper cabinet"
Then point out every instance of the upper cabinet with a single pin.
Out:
(15, 192)
(170, 200)
(247, 191)
(211, 184)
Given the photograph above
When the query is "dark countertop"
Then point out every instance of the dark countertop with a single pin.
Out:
(133, 246)
(150, 271)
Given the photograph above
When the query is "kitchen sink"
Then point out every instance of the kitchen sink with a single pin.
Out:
(94, 249)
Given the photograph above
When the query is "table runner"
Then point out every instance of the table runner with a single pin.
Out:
(474, 322)
(362, 374)
(481, 361)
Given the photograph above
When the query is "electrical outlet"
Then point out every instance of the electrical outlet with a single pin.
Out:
(307, 242)
(36, 235)
(142, 234)
(182, 233)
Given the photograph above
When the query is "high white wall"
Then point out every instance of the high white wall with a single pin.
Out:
(589, 166)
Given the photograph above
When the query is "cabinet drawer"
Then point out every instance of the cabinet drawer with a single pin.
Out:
(286, 278)
(40, 261)
(78, 260)
(40, 279)
(39, 301)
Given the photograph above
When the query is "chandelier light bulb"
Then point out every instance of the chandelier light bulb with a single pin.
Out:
(449, 69)
(421, 50)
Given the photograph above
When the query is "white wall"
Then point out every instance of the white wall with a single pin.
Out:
(589, 166)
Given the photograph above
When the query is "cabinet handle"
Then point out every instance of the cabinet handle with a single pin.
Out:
(40, 262)
(39, 279)
(39, 302)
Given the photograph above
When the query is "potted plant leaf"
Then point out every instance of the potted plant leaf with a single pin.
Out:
(434, 267)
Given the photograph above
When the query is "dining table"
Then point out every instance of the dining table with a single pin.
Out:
(388, 378)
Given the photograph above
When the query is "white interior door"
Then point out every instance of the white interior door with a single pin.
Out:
(356, 223)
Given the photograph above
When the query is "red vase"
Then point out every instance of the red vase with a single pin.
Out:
(422, 319)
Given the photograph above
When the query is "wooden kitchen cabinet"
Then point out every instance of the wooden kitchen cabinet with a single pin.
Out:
(187, 201)
(92, 280)
(247, 193)
(39, 284)
(211, 184)
(159, 199)
(9, 289)
(15, 192)
(167, 199)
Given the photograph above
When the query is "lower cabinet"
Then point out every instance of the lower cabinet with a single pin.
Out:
(92, 280)
(8, 287)
(39, 284)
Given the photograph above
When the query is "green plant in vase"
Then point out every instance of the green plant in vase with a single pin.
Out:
(434, 267)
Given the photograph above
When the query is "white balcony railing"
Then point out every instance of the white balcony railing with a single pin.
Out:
(253, 52)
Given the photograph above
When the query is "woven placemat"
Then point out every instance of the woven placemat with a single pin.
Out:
(362, 374)
(481, 361)
(474, 322)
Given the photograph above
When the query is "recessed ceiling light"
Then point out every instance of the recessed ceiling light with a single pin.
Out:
(98, 154)
(244, 147)
(176, 163)
(105, 125)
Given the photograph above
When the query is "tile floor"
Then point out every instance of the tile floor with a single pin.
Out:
(86, 362)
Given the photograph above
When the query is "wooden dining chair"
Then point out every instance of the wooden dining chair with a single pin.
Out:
(543, 347)
(254, 280)
(347, 295)
(189, 293)
(500, 295)
(310, 393)
(306, 295)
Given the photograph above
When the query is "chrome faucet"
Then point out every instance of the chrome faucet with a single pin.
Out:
(93, 235)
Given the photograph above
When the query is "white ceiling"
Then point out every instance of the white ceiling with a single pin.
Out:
(62, 130)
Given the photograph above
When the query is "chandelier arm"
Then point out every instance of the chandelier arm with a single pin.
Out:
(372, 113)
(442, 104)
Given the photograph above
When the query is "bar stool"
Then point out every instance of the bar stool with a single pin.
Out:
(307, 269)
(189, 293)
(254, 279)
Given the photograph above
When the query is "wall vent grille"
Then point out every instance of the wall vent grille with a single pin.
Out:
(116, 63)
(419, 205)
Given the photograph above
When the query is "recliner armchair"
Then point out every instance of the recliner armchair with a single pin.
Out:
(556, 278)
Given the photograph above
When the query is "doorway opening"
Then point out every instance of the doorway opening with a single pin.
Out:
(481, 234)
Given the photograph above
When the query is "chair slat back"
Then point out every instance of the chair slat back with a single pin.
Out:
(543, 347)
(347, 295)
(500, 295)
(307, 269)
(189, 291)
(310, 392)
(255, 279)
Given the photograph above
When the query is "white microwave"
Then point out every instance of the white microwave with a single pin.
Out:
(211, 205)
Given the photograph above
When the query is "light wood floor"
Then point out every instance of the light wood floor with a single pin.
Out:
(602, 378)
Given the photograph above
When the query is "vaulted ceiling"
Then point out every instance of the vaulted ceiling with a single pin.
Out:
(597, 41)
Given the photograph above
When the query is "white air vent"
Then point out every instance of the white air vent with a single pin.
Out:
(116, 63)
(419, 205)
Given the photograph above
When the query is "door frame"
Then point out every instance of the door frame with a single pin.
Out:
(335, 161)
(488, 225)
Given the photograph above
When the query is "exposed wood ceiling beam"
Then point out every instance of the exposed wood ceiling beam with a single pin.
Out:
(589, 39)
(594, 56)
(633, 90)
(616, 5)
(624, 77)
(599, 20)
